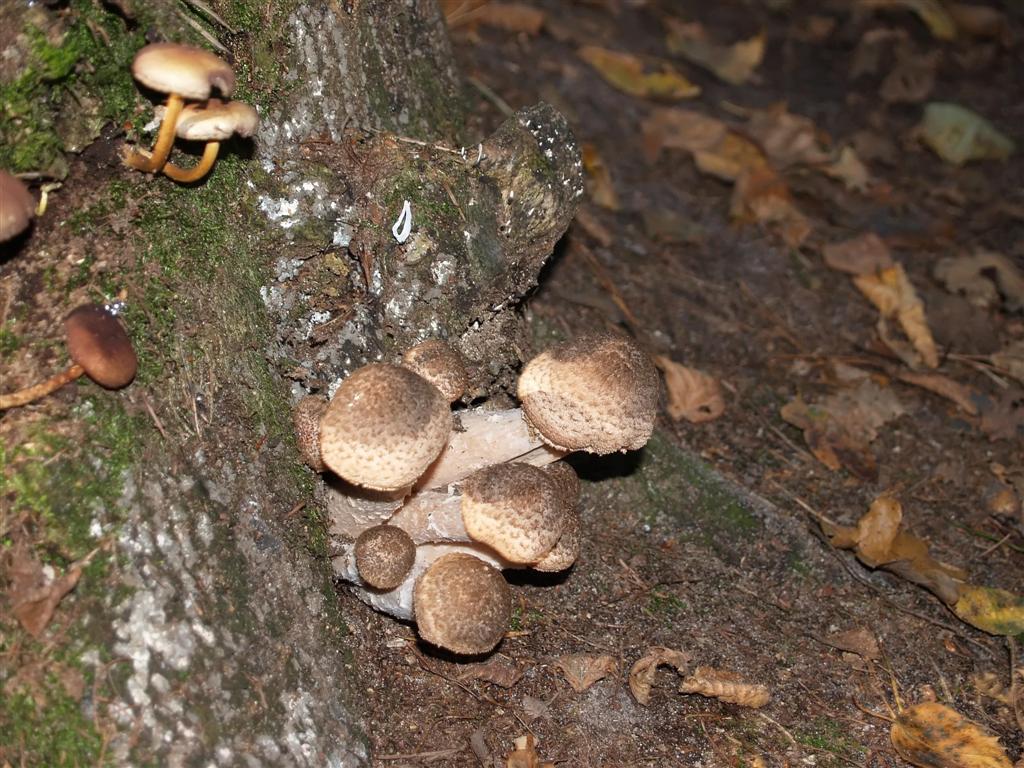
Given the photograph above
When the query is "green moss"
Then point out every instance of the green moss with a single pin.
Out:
(663, 603)
(829, 736)
(9, 340)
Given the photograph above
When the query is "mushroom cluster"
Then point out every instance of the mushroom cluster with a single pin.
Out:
(184, 72)
(438, 504)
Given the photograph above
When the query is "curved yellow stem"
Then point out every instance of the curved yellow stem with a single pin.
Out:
(199, 170)
(43, 388)
(154, 161)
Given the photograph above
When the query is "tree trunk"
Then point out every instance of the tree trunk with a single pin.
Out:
(211, 634)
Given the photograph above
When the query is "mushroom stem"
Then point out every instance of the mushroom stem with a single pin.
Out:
(43, 388)
(164, 140)
(486, 438)
(198, 171)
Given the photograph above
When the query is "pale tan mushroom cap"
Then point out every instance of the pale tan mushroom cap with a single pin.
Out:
(597, 393)
(16, 206)
(567, 549)
(384, 556)
(463, 604)
(384, 427)
(181, 69)
(513, 508)
(306, 418)
(216, 120)
(440, 364)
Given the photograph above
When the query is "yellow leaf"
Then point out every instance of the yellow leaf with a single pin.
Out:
(932, 735)
(732, 63)
(877, 529)
(600, 186)
(626, 72)
(991, 610)
(891, 291)
(957, 134)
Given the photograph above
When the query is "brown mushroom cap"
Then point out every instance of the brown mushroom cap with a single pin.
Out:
(463, 604)
(440, 364)
(384, 427)
(514, 509)
(216, 120)
(597, 393)
(306, 418)
(567, 549)
(384, 556)
(97, 342)
(181, 69)
(16, 206)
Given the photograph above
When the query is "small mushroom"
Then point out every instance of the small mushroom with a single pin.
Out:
(182, 72)
(462, 604)
(384, 427)
(567, 548)
(597, 393)
(212, 122)
(440, 364)
(306, 418)
(98, 347)
(384, 556)
(16, 206)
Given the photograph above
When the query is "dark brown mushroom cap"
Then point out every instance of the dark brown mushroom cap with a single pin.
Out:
(181, 69)
(306, 418)
(463, 604)
(384, 427)
(384, 556)
(16, 206)
(440, 364)
(515, 509)
(567, 549)
(597, 393)
(97, 342)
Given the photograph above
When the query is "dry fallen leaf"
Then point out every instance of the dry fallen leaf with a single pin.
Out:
(692, 394)
(850, 170)
(964, 396)
(1003, 417)
(957, 135)
(891, 291)
(599, 180)
(982, 278)
(626, 72)
(725, 686)
(931, 12)
(582, 670)
(865, 254)
(525, 755)
(978, 20)
(734, 64)
(786, 139)
(912, 79)
(498, 669)
(991, 610)
(511, 17)
(760, 195)
(932, 735)
(34, 595)
(858, 640)
(839, 429)
(641, 674)
(681, 129)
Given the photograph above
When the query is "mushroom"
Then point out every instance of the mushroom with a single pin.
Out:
(212, 122)
(182, 72)
(16, 206)
(384, 556)
(597, 393)
(98, 347)
(306, 418)
(384, 427)
(462, 604)
(440, 364)
(567, 548)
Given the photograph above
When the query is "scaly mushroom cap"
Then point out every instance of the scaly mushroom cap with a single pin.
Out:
(181, 69)
(440, 364)
(97, 342)
(16, 206)
(384, 556)
(567, 549)
(597, 393)
(216, 120)
(384, 427)
(306, 417)
(513, 508)
(463, 604)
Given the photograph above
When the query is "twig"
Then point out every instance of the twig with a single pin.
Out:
(491, 96)
(436, 754)
(202, 31)
(204, 8)
(156, 419)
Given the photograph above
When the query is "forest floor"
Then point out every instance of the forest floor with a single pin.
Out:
(713, 243)
(744, 581)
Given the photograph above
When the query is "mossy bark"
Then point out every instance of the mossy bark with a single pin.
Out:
(211, 635)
